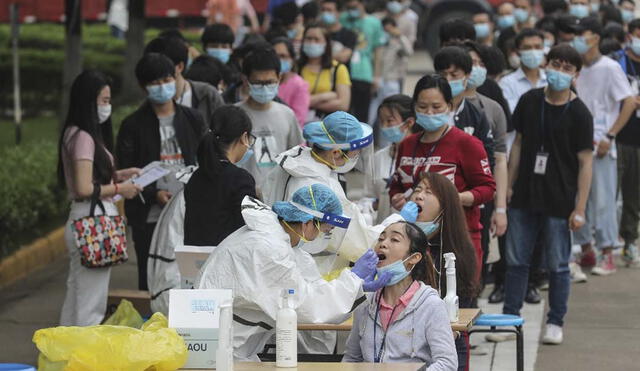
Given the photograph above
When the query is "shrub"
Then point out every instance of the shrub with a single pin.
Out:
(30, 195)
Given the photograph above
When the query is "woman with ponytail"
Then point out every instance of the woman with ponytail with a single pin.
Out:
(406, 321)
(214, 192)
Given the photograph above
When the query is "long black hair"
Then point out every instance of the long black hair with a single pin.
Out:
(454, 235)
(83, 113)
(228, 123)
(419, 243)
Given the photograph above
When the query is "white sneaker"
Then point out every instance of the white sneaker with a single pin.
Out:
(500, 337)
(576, 273)
(605, 266)
(552, 335)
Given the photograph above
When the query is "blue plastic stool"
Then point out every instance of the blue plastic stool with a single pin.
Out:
(16, 367)
(496, 323)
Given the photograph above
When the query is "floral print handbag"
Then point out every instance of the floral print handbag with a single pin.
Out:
(102, 239)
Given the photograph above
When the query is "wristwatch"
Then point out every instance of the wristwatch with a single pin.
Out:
(610, 136)
(501, 210)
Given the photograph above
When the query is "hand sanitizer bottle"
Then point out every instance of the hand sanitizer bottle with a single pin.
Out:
(286, 333)
(451, 299)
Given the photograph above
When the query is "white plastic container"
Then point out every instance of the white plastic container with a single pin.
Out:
(286, 333)
(224, 353)
(451, 299)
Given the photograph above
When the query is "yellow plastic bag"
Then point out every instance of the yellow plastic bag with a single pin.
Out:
(125, 315)
(111, 348)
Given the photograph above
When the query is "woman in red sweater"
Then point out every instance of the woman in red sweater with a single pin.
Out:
(444, 149)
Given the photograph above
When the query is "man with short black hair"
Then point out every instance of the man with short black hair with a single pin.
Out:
(217, 41)
(159, 130)
(530, 46)
(343, 41)
(604, 88)
(484, 27)
(274, 125)
(198, 95)
(549, 179)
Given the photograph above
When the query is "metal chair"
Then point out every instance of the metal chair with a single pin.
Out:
(497, 323)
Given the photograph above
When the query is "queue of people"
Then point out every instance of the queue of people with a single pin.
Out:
(294, 152)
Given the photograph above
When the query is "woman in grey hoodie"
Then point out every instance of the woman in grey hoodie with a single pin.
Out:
(406, 321)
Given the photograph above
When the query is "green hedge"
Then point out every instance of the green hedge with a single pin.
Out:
(42, 59)
(31, 199)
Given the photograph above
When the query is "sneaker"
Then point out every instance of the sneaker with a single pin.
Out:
(552, 334)
(576, 273)
(631, 256)
(500, 337)
(605, 266)
(588, 259)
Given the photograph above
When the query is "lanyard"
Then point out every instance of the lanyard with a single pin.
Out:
(377, 354)
(542, 126)
(415, 149)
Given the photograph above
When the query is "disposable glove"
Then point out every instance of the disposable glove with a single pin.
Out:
(410, 212)
(366, 265)
(371, 284)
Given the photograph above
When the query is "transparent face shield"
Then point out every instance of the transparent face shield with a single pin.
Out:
(320, 245)
(358, 171)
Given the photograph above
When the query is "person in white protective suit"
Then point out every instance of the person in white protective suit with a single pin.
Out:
(337, 143)
(264, 257)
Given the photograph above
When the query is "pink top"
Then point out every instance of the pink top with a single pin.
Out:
(78, 145)
(405, 299)
(295, 93)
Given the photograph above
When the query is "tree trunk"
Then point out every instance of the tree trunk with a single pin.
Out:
(72, 52)
(131, 92)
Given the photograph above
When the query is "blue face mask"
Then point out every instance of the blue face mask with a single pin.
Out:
(557, 80)
(579, 43)
(328, 18)
(353, 13)
(162, 93)
(477, 77)
(432, 122)
(428, 227)
(627, 15)
(506, 21)
(285, 66)
(292, 33)
(247, 155)
(263, 93)
(457, 87)
(397, 269)
(521, 15)
(579, 10)
(532, 58)
(394, 7)
(482, 30)
(635, 45)
(393, 134)
(189, 62)
(221, 54)
(313, 50)
(595, 7)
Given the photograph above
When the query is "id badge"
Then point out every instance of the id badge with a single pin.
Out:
(540, 167)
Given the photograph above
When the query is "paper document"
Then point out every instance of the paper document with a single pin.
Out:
(149, 174)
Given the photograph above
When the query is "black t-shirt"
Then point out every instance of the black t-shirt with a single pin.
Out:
(345, 37)
(212, 206)
(630, 134)
(568, 129)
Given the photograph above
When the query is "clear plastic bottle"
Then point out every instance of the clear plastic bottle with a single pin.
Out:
(286, 333)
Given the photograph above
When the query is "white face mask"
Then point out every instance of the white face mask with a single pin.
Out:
(348, 165)
(104, 112)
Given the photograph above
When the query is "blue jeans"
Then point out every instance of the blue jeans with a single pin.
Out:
(525, 227)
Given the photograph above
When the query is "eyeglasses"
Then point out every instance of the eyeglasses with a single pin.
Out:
(252, 140)
(264, 83)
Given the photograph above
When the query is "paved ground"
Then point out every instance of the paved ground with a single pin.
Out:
(602, 328)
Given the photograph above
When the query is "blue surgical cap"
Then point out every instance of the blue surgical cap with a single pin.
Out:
(336, 128)
(315, 197)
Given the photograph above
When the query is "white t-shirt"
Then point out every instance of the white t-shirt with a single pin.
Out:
(602, 87)
(187, 96)
(276, 130)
